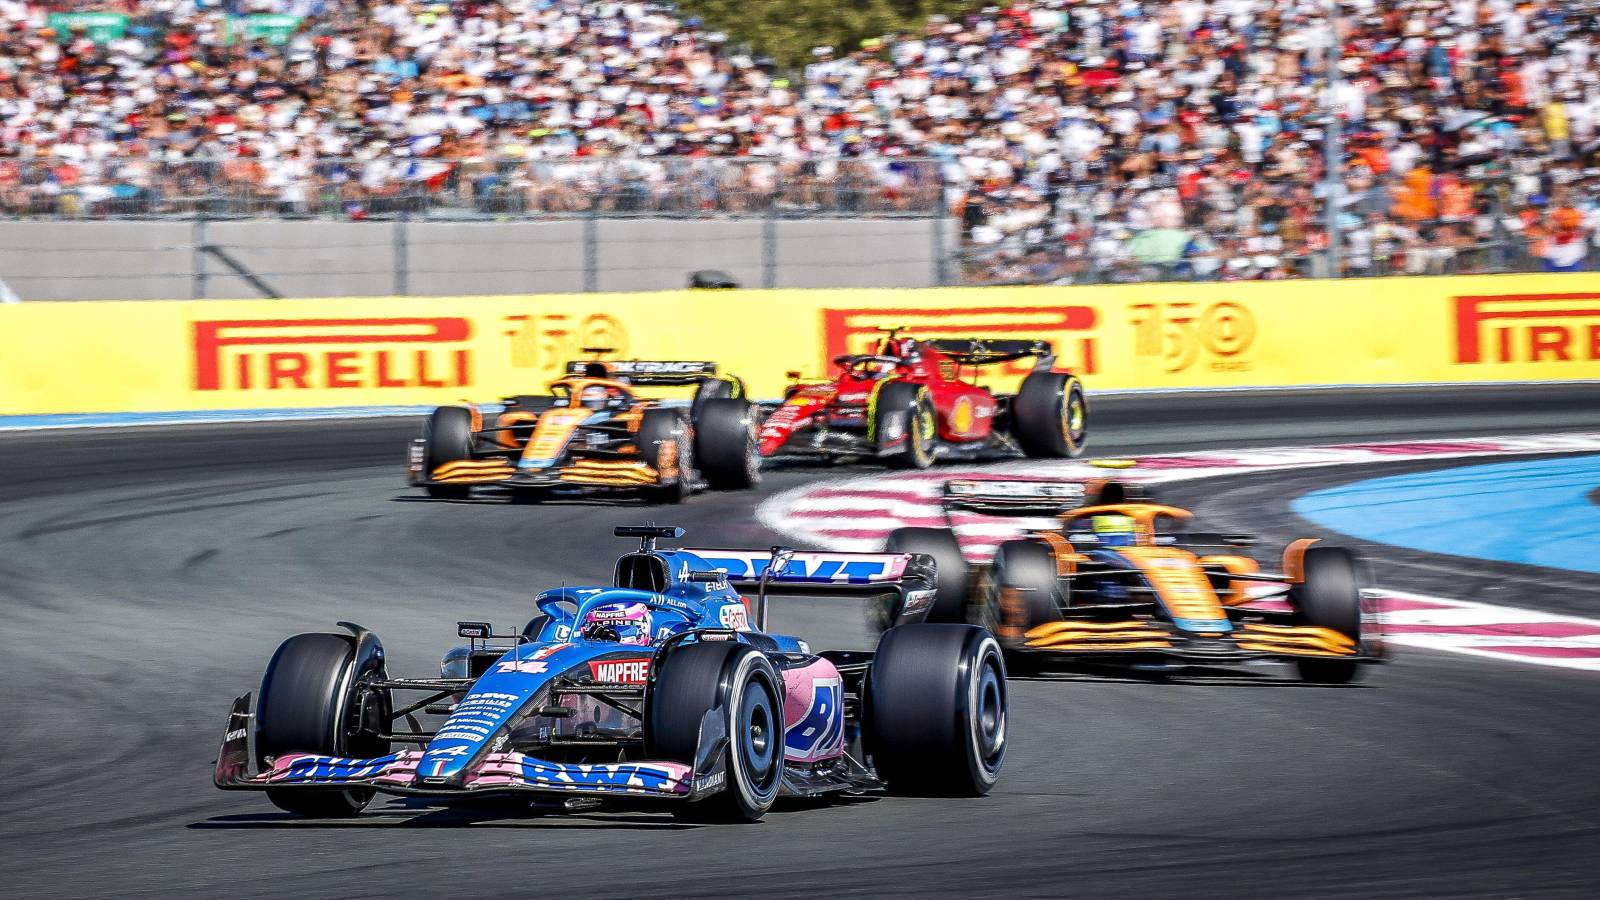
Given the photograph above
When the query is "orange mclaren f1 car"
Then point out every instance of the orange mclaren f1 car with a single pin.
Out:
(1122, 580)
(593, 433)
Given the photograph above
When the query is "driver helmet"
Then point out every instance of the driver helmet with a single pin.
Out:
(623, 623)
(906, 349)
(1114, 530)
(594, 397)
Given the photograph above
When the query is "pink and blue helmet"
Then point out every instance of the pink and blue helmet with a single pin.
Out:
(624, 623)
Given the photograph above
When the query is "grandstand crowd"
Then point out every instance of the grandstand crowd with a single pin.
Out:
(1073, 140)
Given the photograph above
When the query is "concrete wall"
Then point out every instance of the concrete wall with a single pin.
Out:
(46, 260)
(125, 260)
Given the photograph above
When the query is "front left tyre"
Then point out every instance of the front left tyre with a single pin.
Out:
(905, 424)
(310, 702)
(936, 710)
(738, 684)
(1025, 587)
(1329, 597)
(664, 442)
(447, 437)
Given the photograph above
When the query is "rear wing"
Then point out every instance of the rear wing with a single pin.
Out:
(903, 583)
(985, 352)
(646, 371)
(1013, 498)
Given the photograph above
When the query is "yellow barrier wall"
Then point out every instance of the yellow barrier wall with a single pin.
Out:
(160, 356)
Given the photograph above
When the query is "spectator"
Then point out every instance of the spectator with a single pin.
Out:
(1072, 138)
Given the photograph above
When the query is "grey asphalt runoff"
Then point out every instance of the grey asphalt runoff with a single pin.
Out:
(147, 574)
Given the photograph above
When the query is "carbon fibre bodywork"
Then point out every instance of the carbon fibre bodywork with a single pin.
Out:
(563, 713)
(955, 417)
(571, 449)
(592, 433)
(1113, 584)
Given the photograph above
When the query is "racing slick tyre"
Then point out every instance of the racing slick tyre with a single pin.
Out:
(738, 683)
(1329, 597)
(951, 572)
(713, 389)
(725, 445)
(1050, 415)
(935, 710)
(664, 441)
(905, 410)
(447, 437)
(1022, 591)
(309, 703)
(1026, 571)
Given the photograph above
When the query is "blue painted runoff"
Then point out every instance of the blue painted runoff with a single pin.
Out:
(1536, 513)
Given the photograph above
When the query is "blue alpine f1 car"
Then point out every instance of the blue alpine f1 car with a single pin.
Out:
(663, 687)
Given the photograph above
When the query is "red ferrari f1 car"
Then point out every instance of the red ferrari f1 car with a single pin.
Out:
(913, 402)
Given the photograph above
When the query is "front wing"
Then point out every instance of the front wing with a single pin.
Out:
(573, 472)
(397, 773)
(1147, 638)
(821, 443)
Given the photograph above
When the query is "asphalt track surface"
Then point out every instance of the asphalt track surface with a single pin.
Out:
(147, 574)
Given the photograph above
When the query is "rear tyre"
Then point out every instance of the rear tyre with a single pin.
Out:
(935, 717)
(951, 572)
(664, 442)
(738, 683)
(1329, 597)
(447, 437)
(713, 389)
(309, 703)
(1050, 415)
(904, 419)
(725, 446)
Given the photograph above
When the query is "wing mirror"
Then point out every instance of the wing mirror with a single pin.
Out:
(779, 562)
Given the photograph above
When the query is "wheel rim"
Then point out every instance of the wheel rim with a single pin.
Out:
(760, 740)
(363, 720)
(1074, 416)
(923, 429)
(989, 715)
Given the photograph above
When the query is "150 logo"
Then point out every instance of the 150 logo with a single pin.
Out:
(549, 341)
(1180, 334)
